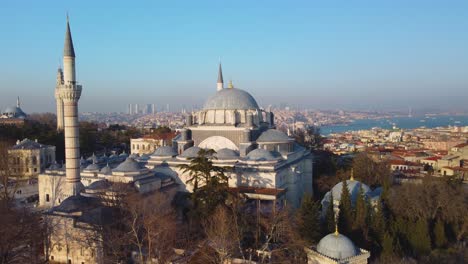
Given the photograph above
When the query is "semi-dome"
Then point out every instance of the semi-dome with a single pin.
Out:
(337, 246)
(191, 152)
(227, 154)
(273, 135)
(353, 187)
(164, 152)
(129, 165)
(261, 155)
(231, 99)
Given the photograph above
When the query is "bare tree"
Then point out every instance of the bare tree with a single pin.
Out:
(221, 235)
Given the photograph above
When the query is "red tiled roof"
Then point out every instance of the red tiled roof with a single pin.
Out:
(255, 190)
(462, 145)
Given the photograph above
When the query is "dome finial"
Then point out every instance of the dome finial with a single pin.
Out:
(230, 85)
(352, 174)
(336, 230)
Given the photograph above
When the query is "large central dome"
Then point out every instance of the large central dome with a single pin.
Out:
(231, 99)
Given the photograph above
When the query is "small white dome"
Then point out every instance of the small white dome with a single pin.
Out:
(337, 246)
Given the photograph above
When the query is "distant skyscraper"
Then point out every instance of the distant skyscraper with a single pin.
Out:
(129, 110)
(148, 109)
(167, 107)
(153, 109)
(136, 109)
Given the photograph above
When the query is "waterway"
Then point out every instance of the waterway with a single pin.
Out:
(400, 122)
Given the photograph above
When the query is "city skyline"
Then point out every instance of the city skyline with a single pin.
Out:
(362, 56)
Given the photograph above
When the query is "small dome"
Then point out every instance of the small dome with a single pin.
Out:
(106, 170)
(231, 99)
(123, 155)
(337, 246)
(261, 155)
(129, 165)
(273, 135)
(227, 154)
(99, 185)
(353, 187)
(92, 167)
(191, 152)
(55, 166)
(164, 152)
(73, 203)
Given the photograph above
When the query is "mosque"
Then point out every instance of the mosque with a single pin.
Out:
(265, 164)
(13, 115)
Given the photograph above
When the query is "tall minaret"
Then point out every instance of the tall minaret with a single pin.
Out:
(70, 93)
(18, 102)
(58, 99)
(220, 83)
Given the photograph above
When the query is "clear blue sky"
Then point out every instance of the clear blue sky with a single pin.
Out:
(325, 54)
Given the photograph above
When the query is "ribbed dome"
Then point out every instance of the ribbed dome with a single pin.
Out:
(261, 155)
(191, 152)
(226, 154)
(231, 99)
(273, 135)
(337, 246)
(164, 152)
(353, 187)
(129, 165)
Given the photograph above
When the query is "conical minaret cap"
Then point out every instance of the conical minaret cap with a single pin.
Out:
(68, 49)
(220, 74)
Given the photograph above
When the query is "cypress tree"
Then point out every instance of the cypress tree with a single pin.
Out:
(345, 216)
(330, 216)
(309, 219)
(377, 224)
(440, 239)
(419, 238)
(387, 245)
(360, 211)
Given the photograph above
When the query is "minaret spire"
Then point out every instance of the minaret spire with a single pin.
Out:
(68, 49)
(220, 84)
(17, 102)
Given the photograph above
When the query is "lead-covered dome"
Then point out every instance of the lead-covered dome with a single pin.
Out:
(261, 155)
(353, 188)
(164, 151)
(231, 99)
(191, 152)
(129, 165)
(14, 112)
(273, 135)
(337, 246)
(227, 154)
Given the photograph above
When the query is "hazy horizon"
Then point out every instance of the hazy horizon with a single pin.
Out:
(360, 55)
